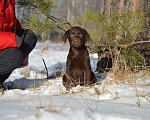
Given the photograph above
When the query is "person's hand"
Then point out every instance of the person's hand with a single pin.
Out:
(18, 41)
(24, 63)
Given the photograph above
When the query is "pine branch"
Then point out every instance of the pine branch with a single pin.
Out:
(38, 7)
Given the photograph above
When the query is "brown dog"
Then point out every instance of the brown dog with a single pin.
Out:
(78, 71)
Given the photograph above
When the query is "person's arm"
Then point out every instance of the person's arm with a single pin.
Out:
(7, 40)
(18, 41)
(18, 25)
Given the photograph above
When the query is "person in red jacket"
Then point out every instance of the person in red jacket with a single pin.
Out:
(15, 42)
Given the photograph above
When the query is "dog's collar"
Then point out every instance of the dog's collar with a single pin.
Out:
(79, 48)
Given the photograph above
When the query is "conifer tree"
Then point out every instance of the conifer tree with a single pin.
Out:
(39, 18)
(117, 31)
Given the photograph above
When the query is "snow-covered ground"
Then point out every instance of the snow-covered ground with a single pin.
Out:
(31, 97)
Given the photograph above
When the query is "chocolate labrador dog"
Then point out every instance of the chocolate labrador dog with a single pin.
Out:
(78, 69)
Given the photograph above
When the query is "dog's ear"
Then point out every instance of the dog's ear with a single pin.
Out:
(65, 36)
(87, 36)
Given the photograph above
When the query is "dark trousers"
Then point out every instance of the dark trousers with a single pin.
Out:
(11, 58)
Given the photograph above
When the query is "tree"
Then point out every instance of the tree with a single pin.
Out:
(117, 30)
(39, 17)
(117, 24)
(66, 10)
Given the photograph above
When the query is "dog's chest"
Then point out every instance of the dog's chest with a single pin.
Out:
(77, 62)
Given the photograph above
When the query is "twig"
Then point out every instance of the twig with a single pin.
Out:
(45, 66)
(133, 43)
(70, 81)
(64, 106)
(86, 103)
(137, 94)
(98, 93)
(40, 107)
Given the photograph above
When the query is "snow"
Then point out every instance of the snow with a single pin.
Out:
(31, 97)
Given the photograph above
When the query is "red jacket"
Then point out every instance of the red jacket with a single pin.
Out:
(7, 24)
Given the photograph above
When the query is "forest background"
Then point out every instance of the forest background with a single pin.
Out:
(122, 26)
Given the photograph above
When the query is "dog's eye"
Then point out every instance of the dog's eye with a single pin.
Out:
(80, 34)
(72, 34)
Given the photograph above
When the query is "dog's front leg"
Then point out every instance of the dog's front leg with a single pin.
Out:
(66, 77)
(87, 73)
(87, 77)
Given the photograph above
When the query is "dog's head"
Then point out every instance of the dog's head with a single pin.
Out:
(77, 37)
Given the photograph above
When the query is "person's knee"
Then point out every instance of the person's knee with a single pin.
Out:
(32, 38)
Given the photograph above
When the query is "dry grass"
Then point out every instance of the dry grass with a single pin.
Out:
(125, 77)
(130, 77)
(44, 49)
(26, 72)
